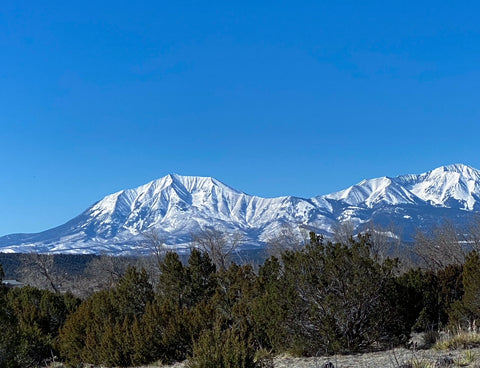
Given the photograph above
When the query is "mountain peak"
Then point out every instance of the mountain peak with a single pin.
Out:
(178, 206)
(458, 167)
(446, 186)
(462, 169)
(193, 183)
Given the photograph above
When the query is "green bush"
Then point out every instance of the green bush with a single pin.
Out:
(219, 348)
(345, 300)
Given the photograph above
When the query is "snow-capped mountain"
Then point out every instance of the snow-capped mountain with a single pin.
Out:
(178, 206)
(448, 186)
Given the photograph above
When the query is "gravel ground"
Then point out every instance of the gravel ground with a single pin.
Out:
(383, 359)
(386, 359)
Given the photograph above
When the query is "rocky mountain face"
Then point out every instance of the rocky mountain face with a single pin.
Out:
(178, 206)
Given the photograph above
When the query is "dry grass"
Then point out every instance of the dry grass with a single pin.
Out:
(460, 340)
(467, 359)
(395, 358)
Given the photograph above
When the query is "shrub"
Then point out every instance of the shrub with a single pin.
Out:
(219, 348)
(345, 300)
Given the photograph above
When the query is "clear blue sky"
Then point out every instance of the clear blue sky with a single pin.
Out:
(271, 97)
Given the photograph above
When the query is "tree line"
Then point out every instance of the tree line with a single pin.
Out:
(325, 297)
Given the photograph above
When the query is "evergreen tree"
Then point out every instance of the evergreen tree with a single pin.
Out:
(421, 299)
(270, 307)
(199, 278)
(450, 289)
(72, 338)
(471, 283)
(9, 338)
(341, 303)
(148, 338)
(109, 349)
(220, 348)
(466, 311)
(31, 318)
(234, 293)
(176, 339)
(81, 336)
(132, 293)
(141, 348)
(172, 283)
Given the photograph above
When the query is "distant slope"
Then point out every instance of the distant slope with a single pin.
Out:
(179, 206)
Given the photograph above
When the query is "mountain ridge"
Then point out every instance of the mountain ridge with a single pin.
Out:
(178, 206)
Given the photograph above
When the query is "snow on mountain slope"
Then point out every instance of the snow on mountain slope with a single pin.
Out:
(453, 185)
(375, 191)
(167, 201)
(445, 186)
(179, 206)
(175, 206)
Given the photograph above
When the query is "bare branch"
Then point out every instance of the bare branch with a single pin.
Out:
(287, 238)
(39, 270)
(385, 241)
(445, 245)
(343, 232)
(220, 246)
(155, 244)
(106, 270)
